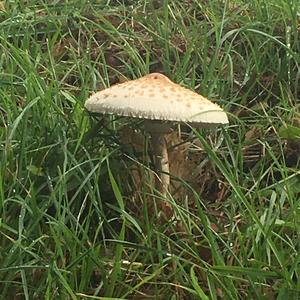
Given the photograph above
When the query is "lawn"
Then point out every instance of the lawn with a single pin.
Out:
(78, 208)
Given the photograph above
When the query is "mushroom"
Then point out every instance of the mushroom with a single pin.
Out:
(161, 103)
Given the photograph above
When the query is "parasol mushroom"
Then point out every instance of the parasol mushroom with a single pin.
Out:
(161, 103)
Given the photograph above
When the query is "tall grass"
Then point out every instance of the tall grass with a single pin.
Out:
(71, 224)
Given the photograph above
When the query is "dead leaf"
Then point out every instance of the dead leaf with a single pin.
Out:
(2, 6)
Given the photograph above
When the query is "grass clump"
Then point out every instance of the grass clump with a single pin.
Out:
(71, 226)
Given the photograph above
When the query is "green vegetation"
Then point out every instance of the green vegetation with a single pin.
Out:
(72, 225)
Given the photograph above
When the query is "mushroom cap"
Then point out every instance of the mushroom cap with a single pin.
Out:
(156, 97)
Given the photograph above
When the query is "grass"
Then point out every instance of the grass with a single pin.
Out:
(72, 224)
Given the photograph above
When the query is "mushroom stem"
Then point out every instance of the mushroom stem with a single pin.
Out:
(161, 161)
